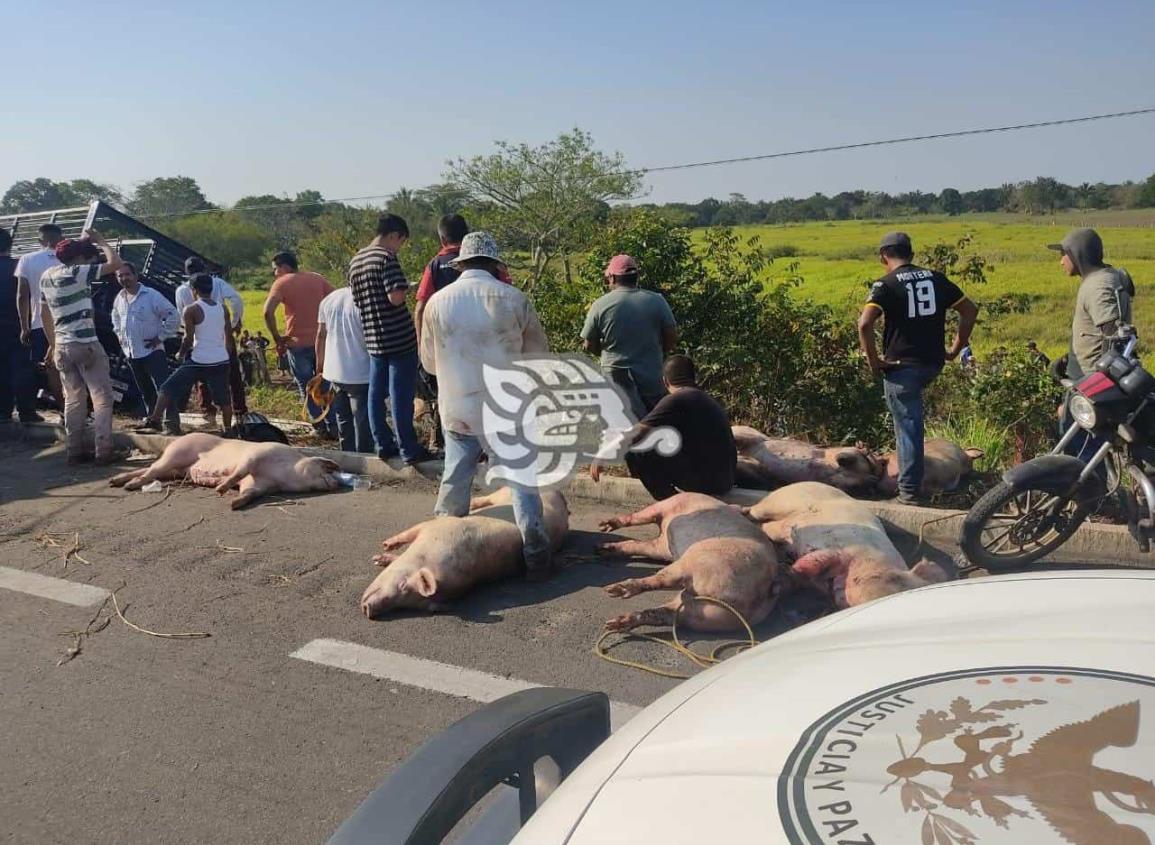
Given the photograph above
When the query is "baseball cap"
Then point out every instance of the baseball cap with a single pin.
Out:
(899, 239)
(193, 264)
(621, 265)
(68, 251)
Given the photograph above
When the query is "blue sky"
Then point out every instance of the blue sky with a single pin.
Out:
(354, 97)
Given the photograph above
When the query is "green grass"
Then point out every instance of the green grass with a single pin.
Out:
(836, 259)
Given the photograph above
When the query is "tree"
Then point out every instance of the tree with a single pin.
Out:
(85, 191)
(544, 199)
(951, 201)
(1146, 197)
(35, 195)
(222, 236)
(168, 196)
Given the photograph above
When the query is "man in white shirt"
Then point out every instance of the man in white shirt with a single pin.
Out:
(142, 318)
(223, 293)
(343, 361)
(479, 320)
(29, 269)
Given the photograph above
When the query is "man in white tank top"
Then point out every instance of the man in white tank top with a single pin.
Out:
(206, 350)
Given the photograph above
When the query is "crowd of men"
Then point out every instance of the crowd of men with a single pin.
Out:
(362, 342)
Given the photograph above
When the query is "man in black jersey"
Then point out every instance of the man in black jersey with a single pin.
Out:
(913, 303)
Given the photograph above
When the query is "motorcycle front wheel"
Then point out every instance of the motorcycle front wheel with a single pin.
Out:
(1010, 528)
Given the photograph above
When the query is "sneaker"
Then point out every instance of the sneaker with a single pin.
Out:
(173, 430)
(423, 456)
(148, 426)
(387, 456)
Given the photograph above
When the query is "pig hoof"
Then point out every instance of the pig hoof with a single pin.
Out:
(383, 559)
(623, 589)
(610, 524)
(625, 622)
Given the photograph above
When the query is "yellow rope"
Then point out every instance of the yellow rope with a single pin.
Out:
(703, 661)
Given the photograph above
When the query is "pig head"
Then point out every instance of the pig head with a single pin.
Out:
(447, 556)
(945, 463)
(778, 461)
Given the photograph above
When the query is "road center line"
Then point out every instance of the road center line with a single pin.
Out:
(428, 674)
(57, 589)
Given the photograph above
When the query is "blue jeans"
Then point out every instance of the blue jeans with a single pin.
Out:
(17, 380)
(394, 376)
(351, 408)
(461, 454)
(149, 373)
(903, 387)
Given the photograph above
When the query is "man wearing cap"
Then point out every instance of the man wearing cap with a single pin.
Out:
(913, 302)
(479, 320)
(67, 292)
(1102, 304)
(29, 269)
(222, 292)
(632, 329)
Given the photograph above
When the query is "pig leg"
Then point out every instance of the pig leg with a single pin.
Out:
(653, 549)
(646, 516)
(823, 568)
(384, 559)
(142, 477)
(669, 578)
(708, 616)
(404, 538)
(233, 479)
(250, 491)
(663, 615)
(779, 531)
(125, 477)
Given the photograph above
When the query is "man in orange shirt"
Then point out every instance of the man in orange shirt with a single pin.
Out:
(301, 294)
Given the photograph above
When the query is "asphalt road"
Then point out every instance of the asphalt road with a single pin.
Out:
(229, 738)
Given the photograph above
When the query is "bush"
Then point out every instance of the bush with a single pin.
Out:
(777, 362)
(781, 251)
(1017, 394)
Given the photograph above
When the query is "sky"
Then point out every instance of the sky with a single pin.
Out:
(360, 97)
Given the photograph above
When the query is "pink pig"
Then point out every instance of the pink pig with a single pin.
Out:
(773, 462)
(256, 468)
(713, 551)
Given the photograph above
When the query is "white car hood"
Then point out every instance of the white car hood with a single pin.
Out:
(797, 740)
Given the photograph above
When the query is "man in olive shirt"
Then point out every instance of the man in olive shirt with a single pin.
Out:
(706, 461)
(632, 328)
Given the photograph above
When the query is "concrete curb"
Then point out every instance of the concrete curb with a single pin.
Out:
(1094, 541)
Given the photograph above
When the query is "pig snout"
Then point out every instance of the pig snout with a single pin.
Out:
(318, 473)
(396, 588)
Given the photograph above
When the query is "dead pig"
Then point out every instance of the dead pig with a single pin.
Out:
(772, 462)
(712, 551)
(945, 464)
(449, 555)
(257, 469)
(838, 544)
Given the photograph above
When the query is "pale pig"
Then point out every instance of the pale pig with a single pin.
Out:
(449, 555)
(838, 544)
(257, 469)
(771, 462)
(945, 465)
(713, 551)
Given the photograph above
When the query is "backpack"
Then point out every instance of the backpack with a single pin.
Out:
(441, 272)
(256, 428)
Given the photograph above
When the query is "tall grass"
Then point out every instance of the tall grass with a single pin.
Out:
(974, 432)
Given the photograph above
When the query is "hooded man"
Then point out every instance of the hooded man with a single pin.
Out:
(1103, 301)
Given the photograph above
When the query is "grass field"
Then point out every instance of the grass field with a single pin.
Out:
(835, 260)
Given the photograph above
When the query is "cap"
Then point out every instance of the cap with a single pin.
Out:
(477, 245)
(68, 251)
(193, 264)
(900, 239)
(621, 265)
(1055, 247)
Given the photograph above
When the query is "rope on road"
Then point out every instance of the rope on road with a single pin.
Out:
(703, 661)
(187, 635)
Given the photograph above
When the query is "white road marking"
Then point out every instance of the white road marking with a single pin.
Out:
(57, 589)
(428, 674)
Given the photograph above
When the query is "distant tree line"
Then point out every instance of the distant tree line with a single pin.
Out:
(1038, 196)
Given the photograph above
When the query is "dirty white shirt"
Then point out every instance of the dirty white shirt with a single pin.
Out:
(474, 321)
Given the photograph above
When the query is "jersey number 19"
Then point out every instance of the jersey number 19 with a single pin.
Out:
(920, 298)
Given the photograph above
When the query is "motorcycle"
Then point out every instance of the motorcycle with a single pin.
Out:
(1039, 504)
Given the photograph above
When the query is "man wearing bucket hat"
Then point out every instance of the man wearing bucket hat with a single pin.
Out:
(479, 320)
(632, 329)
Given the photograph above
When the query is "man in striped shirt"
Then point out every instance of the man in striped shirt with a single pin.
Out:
(379, 286)
(67, 291)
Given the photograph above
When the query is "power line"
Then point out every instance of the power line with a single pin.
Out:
(940, 135)
(961, 133)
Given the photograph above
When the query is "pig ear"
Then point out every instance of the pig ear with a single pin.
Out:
(848, 459)
(974, 454)
(424, 582)
(930, 571)
(329, 465)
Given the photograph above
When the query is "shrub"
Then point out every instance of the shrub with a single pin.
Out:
(777, 362)
(1017, 394)
(781, 251)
